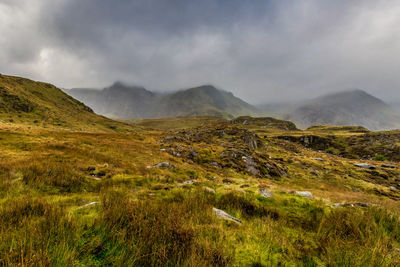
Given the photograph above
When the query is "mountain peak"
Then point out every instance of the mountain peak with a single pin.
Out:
(349, 107)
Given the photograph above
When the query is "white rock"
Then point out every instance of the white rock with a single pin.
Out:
(265, 193)
(305, 194)
(365, 166)
(222, 214)
(90, 204)
(210, 190)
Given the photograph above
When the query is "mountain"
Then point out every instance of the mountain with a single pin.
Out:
(122, 101)
(352, 107)
(117, 101)
(37, 103)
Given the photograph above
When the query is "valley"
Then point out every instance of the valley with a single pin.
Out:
(195, 191)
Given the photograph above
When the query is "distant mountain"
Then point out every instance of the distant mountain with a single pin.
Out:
(117, 101)
(26, 101)
(353, 107)
(122, 101)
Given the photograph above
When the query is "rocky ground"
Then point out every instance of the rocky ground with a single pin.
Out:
(201, 192)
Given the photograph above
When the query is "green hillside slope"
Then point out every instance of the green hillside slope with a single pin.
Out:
(26, 101)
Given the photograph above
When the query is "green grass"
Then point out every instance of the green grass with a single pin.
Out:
(147, 216)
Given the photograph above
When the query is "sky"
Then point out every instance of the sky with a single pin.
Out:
(261, 50)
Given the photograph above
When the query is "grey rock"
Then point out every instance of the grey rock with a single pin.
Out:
(365, 166)
(319, 159)
(352, 205)
(393, 189)
(251, 166)
(164, 165)
(305, 194)
(216, 164)
(222, 214)
(265, 193)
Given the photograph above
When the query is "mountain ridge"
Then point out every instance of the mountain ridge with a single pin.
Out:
(127, 102)
(349, 107)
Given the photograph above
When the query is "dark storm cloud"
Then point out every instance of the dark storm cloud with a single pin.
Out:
(261, 50)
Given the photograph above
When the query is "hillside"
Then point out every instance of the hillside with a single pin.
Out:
(199, 192)
(354, 107)
(42, 104)
(128, 102)
(190, 191)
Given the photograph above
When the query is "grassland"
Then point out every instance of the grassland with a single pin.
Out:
(78, 189)
(92, 198)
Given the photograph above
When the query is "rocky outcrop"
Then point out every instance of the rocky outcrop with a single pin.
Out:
(241, 150)
(265, 122)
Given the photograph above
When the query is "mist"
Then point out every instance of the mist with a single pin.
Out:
(262, 51)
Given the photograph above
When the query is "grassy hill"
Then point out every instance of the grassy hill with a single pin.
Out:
(153, 194)
(129, 102)
(42, 104)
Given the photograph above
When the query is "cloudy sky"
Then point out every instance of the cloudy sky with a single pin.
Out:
(262, 51)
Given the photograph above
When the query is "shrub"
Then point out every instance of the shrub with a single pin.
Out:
(332, 150)
(380, 158)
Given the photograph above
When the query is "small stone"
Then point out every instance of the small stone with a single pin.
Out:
(319, 159)
(265, 193)
(209, 190)
(189, 182)
(89, 204)
(164, 165)
(365, 166)
(393, 189)
(216, 164)
(222, 214)
(305, 194)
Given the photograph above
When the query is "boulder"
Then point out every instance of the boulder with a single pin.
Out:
(223, 215)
